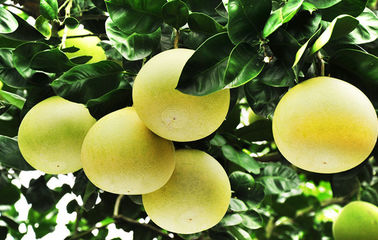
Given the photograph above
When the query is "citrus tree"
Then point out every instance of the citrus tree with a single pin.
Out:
(244, 54)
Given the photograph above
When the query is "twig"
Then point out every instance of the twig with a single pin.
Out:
(116, 205)
(177, 37)
(322, 63)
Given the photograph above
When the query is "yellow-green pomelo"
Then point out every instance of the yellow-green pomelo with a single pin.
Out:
(325, 125)
(357, 221)
(194, 199)
(121, 155)
(168, 112)
(51, 134)
(87, 45)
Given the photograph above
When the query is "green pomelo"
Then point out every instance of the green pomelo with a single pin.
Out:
(121, 155)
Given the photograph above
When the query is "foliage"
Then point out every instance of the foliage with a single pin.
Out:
(258, 48)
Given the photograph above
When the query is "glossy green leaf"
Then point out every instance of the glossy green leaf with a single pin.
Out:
(71, 22)
(251, 220)
(24, 32)
(231, 220)
(39, 196)
(46, 61)
(202, 23)
(12, 99)
(49, 9)
(303, 26)
(244, 64)
(241, 182)
(84, 82)
(23, 55)
(349, 7)
(132, 46)
(277, 74)
(175, 13)
(43, 26)
(9, 193)
(322, 4)
(259, 130)
(247, 19)
(240, 233)
(278, 178)
(8, 23)
(10, 154)
(338, 28)
(241, 158)
(281, 16)
(237, 205)
(208, 7)
(302, 50)
(8, 73)
(139, 16)
(204, 71)
(366, 31)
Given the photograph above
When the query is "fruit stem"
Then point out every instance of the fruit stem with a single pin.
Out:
(322, 63)
(177, 37)
(116, 205)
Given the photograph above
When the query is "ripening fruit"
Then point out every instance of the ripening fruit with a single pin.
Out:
(120, 155)
(194, 199)
(325, 125)
(87, 45)
(357, 221)
(168, 112)
(51, 134)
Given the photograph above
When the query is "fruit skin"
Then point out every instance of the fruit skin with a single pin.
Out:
(87, 45)
(168, 112)
(51, 134)
(325, 125)
(120, 155)
(357, 221)
(194, 199)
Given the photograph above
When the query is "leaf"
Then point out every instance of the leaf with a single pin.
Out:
(241, 182)
(202, 23)
(260, 130)
(241, 158)
(204, 72)
(84, 82)
(322, 4)
(43, 26)
(71, 22)
(281, 16)
(90, 196)
(12, 98)
(175, 13)
(49, 9)
(8, 23)
(9, 193)
(244, 64)
(261, 98)
(303, 26)
(350, 7)
(8, 73)
(139, 16)
(247, 18)
(46, 61)
(278, 178)
(303, 50)
(132, 46)
(10, 154)
(24, 32)
(239, 233)
(237, 205)
(230, 220)
(339, 27)
(251, 220)
(23, 55)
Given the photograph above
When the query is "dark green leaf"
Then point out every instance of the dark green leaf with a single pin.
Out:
(247, 19)
(244, 64)
(24, 32)
(49, 9)
(221, 235)
(204, 71)
(261, 98)
(8, 23)
(339, 27)
(12, 99)
(39, 195)
(260, 130)
(111, 101)
(304, 49)
(239, 233)
(10, 222)
(278, 178)
(202, 23)
(251, 220)
(139, 16)
(43, 26)
(84, 82)
(241, 182)
(175, 13)
(281, 16)
(23, 55)
(8, 43)
(303, 26)
(71, 22)
(237, 205)
(90, 196)
(132, 46)
(47, 61)
(369, 194)
(350, 7)
(9, 193)
(284, 47)
(81, 59)
(3, 232)
(10, 154)
(322, 4)
(241, 158)
(277, 73)
(231, 220)
(8, 73)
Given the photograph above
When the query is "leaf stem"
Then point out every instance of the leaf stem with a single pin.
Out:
(116, 205)
(177, 38)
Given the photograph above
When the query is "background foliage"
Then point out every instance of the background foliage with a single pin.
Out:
(258, 48)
